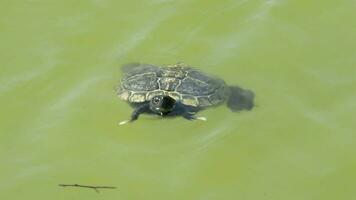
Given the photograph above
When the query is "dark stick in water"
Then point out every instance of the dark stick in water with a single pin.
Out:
(96, 188)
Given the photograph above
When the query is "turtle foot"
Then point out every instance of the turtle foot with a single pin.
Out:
(201, 118)
(124, 122)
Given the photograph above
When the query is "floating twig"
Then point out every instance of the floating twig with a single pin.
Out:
(96, 188)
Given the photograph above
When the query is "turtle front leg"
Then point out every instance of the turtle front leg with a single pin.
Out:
(187, 112)
(143, 108)
(191, 116)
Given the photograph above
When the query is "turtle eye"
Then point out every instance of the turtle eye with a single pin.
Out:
(155, 100)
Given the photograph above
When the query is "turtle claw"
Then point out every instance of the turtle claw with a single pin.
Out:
(124, 122)
(201, 118)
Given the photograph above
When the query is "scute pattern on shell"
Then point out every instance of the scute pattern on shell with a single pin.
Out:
(142, 82)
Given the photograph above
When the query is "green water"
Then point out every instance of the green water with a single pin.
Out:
(60, 61)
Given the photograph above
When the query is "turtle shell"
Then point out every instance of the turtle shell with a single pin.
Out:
(191, 87)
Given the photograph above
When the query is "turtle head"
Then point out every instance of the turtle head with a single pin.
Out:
(162, 105)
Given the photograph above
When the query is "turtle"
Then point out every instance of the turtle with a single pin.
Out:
(177, 90)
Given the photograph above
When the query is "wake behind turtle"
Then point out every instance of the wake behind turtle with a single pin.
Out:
(177, 90)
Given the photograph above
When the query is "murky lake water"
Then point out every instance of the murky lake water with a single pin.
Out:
(59, 113)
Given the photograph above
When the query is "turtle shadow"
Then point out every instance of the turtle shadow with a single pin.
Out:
(130, 66)
(240, 99)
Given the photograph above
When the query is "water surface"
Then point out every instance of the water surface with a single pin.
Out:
(59, 113)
